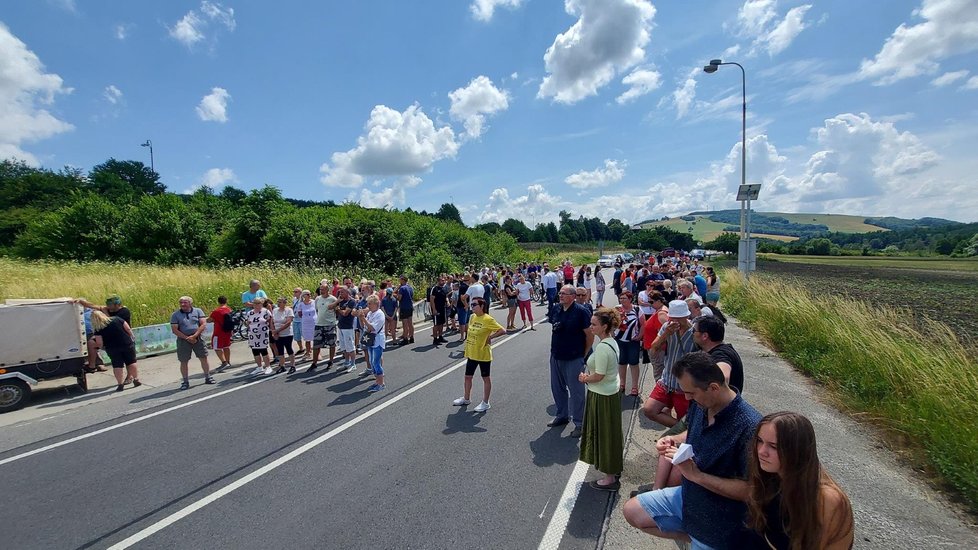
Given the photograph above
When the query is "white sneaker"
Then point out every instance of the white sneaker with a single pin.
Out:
(461, 401)
(481, 407)
(258, 370)
(352, 368)
(267, 371)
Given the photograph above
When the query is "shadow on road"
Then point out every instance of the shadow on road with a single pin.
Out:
(552, 447)
(463, 421)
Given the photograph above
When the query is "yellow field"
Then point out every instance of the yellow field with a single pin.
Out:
(835, 222)
(705, 230)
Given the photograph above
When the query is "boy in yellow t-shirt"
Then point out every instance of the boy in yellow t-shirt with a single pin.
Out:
(478, 350)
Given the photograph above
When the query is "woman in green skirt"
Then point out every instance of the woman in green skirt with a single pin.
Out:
(602, 443)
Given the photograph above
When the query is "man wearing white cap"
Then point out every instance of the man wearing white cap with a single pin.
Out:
(678, 334)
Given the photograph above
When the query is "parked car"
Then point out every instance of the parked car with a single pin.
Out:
(627, 257)
(606, 261)
(697, 253)
(669, 252)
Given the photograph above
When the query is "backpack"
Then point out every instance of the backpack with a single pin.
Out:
(229, 322)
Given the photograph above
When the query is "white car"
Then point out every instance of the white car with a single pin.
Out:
(606, 261)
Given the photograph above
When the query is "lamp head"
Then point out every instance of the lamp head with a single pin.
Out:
(716, 62)
(710, 69)
(147, 144)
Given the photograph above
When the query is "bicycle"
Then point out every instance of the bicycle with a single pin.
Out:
(240, 332)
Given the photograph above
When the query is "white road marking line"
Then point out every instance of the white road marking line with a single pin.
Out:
(129, 422)
(560, 519)
(227, 489)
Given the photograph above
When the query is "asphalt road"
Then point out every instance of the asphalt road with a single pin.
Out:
(308, 460)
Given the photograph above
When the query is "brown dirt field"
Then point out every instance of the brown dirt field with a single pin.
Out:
(947, 296)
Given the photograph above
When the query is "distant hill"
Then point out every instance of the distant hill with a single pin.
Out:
(705, 226)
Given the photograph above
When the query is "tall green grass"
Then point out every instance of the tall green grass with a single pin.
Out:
(921, 383)
(152, 292)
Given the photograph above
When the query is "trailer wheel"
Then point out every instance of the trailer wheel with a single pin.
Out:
(14, 394)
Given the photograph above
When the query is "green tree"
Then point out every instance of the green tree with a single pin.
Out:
(124, 179)
(820, 247)
(726, 242)
(517, 229)
(449, 213)
(88, 229)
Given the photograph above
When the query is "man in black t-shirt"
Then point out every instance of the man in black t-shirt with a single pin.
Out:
(113, 308)
(438, 300)
(708, 334)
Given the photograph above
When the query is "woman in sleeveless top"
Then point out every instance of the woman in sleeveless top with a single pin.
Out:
(627, 335)
(793, 503)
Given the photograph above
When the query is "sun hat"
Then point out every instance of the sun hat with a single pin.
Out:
(678, 309)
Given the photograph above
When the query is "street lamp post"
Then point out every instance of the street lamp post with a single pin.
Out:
(152, 165)
(745, 257)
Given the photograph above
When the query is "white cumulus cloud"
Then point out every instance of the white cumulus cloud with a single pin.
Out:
(471, 104)
(949, 27)
(971, 84)
(195, 24)
(214, 106)
(860, 158)
(683, 96)
(25, 90)
(639, 82)
(389, 197)
(610, 173)
(218, 177)
(394, 144)
(608, 38)
(484, 9)
(758, 21)
(112, 94)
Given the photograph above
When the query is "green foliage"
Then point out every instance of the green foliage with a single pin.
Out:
(124, 180)
(449, 212)
(726, 242)
(88, 229)
(819, 247)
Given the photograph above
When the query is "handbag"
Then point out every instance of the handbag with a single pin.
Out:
(369, 339)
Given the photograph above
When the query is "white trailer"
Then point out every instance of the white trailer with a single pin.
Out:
(39, 340)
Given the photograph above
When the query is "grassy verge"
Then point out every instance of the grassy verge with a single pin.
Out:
(152, 292)
(923, 384)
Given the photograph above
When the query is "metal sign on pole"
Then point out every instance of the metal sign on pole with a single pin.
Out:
(747, 247)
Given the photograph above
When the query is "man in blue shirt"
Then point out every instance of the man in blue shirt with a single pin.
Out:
(569, 343)
(254, 291)
(700, 283)
(709, 505)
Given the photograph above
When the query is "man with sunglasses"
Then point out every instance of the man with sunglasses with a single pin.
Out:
(569, 343)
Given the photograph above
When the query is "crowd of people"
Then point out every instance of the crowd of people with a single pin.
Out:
(726, 476)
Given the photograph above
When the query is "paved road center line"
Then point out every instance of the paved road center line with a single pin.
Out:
(227, 489)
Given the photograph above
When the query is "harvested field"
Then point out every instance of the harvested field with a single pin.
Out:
(946, 296)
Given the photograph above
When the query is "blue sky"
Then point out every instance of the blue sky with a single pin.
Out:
(510, 108)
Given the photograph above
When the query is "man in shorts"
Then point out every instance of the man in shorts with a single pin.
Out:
(438, 300)
(678, 337)
(324, 335)
(346, 309)
(187, 324)
(221, 340)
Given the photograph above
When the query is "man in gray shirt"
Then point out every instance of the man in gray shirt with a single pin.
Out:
(325, 332)
(188, 323)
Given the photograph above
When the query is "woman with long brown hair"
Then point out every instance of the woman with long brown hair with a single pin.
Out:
(793, 503)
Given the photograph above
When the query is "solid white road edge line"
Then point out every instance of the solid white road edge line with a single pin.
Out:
(558, 522)
(129, 422)
(227, 489)
(134, 420)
